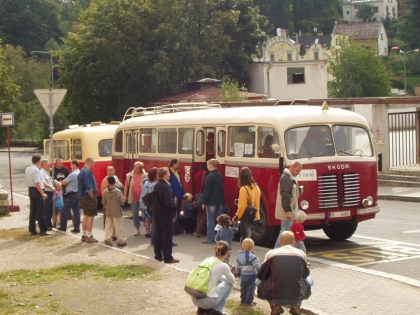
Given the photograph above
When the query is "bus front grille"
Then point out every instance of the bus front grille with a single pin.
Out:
(328, 191)
(351, 190)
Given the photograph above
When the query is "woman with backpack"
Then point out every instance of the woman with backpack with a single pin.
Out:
(218, 288)
(147, 215)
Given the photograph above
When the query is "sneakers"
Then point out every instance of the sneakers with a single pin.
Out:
(137, 233)
(295, 310)
(148, 235)
(122, 244)
(91, 239)
(84, 237)
(276, 309)
(173, 261)
(109, 243)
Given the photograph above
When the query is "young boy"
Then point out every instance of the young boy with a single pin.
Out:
(247, 266)
(113, 200)
(189, 207)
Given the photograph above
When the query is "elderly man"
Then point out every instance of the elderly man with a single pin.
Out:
(287, 198)
(284, 277)
(71, 201)
(49, 191)
(88, 191)
(36, 197)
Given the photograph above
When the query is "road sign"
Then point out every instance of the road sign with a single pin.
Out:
(56, 95)
(7, 119)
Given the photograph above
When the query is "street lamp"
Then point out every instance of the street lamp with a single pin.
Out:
(405, 78)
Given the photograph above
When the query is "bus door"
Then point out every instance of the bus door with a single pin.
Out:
(199, 149)
(220, 148)
(130, 151)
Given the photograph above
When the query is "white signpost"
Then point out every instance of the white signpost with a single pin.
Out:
(50, 100)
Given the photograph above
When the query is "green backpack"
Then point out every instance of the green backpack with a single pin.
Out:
(198, 279)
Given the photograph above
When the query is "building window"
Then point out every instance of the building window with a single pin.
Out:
(316, 55)
(375, 9)
(382, 36)
(393, 11)
(356, 6)
(271, 56)
(348, 12)
(295, 75)
(289, 56)
(387, 11)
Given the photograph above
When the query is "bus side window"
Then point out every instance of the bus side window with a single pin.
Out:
(119, 141)
(242, 141)
(105, 147)
(128, 142)
(185, 140)
(200, 143)
(221, 142)
(268, 143)
(148, 140)
(77, 149)
(167, 140)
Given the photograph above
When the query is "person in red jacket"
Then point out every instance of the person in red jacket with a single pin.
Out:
(299, 231)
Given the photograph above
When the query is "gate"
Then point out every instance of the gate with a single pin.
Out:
(403, 138)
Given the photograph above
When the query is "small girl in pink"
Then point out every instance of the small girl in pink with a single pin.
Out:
(299, 231)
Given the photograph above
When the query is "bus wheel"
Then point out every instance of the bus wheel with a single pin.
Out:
(340, 231)
(264, 235)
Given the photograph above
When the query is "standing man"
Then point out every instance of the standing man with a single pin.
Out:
(60, 171)
(36, 197)
(285, 277)
(178, 190)
(287, 198)
(49, 191)
(72, 200)
(164, 218)
(87, 195)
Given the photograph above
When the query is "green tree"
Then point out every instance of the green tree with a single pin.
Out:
(29, 23)
(231, 91)
(364, 11)
(127, 53)
(357, 72)
(9, 91)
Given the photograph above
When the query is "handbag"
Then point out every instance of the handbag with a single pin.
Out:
(226, 208)
(199, 195)
(250, 211)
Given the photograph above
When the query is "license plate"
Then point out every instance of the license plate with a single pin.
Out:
(340, 214)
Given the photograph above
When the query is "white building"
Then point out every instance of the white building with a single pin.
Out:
(382, 9)
(369, 33)
(291, 68)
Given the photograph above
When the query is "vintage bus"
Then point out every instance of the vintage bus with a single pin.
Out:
(80, 142)
(339, 175)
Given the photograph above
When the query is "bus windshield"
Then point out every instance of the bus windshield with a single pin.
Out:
(61, 149)
(319, 141)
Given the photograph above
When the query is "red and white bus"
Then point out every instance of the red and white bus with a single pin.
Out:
(93, 140)
(339, 175)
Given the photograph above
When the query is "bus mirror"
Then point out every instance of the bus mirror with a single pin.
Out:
(380, 162)
(281, 165)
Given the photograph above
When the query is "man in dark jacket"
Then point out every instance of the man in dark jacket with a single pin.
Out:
(177, 187)
(284, 277)
(163, 222)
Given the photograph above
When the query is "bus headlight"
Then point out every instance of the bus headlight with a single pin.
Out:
(367, 201)
(304, 204)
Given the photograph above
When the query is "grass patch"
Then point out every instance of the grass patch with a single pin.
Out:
(12, 233)
(238, 309)
(80, 271)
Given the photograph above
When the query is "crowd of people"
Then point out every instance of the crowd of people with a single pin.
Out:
(76, 190)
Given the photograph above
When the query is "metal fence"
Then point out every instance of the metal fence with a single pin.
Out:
(403, 138)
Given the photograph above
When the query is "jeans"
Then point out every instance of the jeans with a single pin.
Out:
(48, 208)
(135, 207)
(285, 226)
(247, 291)
(301, 245)
(212, 213)
(223, 290)
(72, 202)
(246, 229)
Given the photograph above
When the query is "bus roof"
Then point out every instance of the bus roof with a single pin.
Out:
(283, 117)
(88, 130)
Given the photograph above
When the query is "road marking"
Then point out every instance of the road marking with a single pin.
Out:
(385, 240)
(412, 231)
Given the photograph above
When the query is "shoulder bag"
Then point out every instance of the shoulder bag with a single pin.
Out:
(199, 195)
(250, 211)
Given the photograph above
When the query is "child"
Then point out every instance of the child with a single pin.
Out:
(189, 207)
(224, 231)
(113, 200)
(247, 266)
(59, 203)
(298, 230)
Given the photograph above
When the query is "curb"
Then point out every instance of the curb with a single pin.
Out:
(399, 198)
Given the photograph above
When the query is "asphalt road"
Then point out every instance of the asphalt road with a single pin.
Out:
(390, 243)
